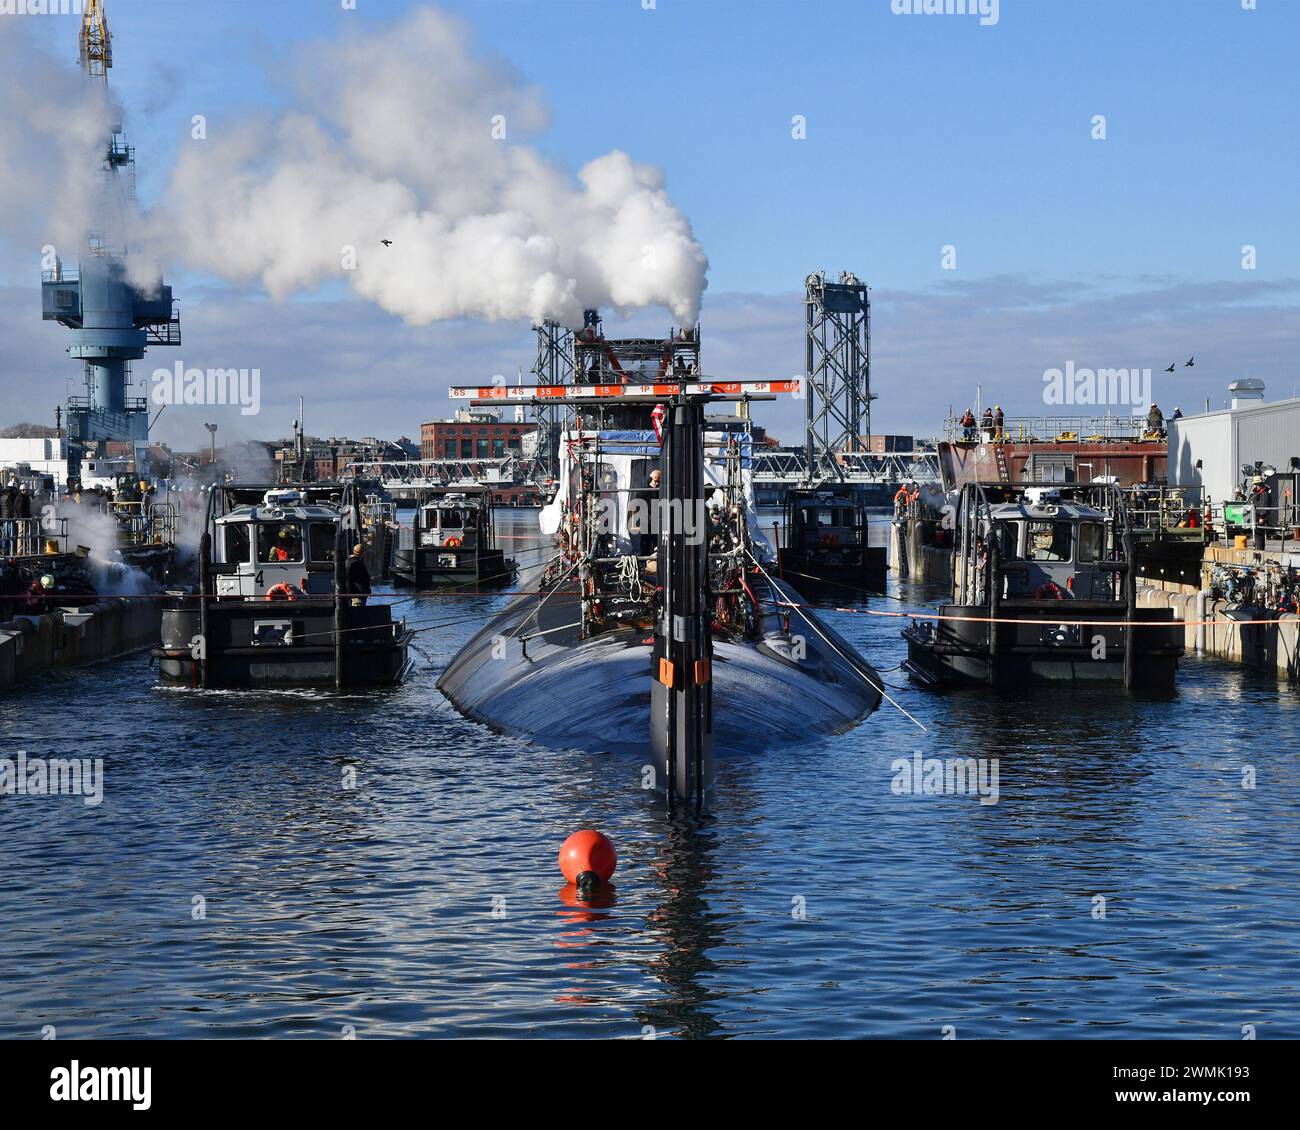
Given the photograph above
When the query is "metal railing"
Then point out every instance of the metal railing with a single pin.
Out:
(1051, 429)
(32, 537)
(1164, 508)
(143, 522)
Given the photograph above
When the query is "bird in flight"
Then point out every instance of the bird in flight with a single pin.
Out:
(1172, 367)
(386, 242)
(1191, 362)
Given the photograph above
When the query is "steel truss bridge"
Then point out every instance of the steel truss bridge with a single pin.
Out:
(406, 478)
(791, 466)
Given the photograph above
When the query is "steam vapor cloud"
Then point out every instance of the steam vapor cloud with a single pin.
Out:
(392, 137)
(53, 129)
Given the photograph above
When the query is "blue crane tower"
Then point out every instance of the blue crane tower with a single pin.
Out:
(112, 320)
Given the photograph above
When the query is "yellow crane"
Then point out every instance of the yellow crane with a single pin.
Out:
(96, 54)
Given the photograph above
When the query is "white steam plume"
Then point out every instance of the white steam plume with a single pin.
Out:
(392, 138)
(54, 126)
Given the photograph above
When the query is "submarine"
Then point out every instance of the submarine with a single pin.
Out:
(658, 618)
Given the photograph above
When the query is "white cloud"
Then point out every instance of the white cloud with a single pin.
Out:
(364, 371)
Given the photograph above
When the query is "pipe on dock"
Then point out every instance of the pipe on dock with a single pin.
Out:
(994, 583)
(205, 583)
(338, 609)
(1130, 607)
(1203, 599)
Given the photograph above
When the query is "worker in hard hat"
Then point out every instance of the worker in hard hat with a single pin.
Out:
(998, 421)
(968, 426)
(286, 546)
(38, 593)
(356, 577)
(22, 519)
(900, 500)
(1155, 420)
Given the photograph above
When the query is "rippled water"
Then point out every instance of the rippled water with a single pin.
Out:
(816, 902)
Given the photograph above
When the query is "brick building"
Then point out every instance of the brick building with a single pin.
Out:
(473, 435)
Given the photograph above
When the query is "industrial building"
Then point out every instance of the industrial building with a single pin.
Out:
(473, 435)
(1212, 450)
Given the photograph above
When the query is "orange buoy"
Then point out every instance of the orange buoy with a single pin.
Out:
(588, 859)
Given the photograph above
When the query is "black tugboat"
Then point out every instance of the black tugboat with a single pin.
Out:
(659, 617)
(1044, 587)
(452, 541)
(271, 608)
(826, 546)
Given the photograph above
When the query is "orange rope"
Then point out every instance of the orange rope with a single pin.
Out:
(1051, 619)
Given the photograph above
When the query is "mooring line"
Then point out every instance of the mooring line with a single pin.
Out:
(852, 666)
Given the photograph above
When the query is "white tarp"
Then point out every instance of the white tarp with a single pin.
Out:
(618, 479)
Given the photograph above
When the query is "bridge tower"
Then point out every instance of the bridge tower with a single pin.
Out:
(838, 371)
(554, 366)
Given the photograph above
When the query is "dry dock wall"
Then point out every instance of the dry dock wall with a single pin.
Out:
(913, 556)
(73, 637)
(1240, 640)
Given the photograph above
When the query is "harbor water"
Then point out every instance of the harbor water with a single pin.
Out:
(280, 864)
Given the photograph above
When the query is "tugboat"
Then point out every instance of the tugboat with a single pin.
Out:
(451, 541)
(1044, 587)
(658, 619)
(826, 543)
(271, 607)
(379, 527)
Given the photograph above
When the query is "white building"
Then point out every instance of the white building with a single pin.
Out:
(1210, 450)
(35, 456)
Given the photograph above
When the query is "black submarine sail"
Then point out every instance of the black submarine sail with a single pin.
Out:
(658, 617)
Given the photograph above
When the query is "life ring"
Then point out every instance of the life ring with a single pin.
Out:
(452, 542)
(282, 592)
(1049, 590)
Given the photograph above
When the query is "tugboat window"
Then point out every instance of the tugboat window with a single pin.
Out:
(1091, 541)
(279, 542)
(1049, 541)
(1005, 535)
(606, 478)
(322, 541)
(450, 519)
(236, 543)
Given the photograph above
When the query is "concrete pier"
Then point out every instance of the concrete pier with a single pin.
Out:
(913, 556)
(1243, 640)
(76, 636)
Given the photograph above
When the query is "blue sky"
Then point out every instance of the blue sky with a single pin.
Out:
(921, 131)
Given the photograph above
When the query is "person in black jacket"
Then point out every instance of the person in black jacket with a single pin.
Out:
(22, 512)
(8, 502)
(356, 577)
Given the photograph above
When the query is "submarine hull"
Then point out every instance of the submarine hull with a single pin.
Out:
(528, 673)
